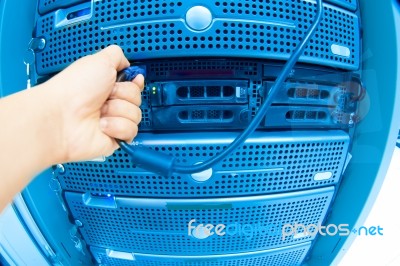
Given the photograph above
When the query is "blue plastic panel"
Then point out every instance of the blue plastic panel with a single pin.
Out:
(160, 226)
(287, 256)
(269, 162)
(46, 6)
(150, 30)
(349, 4)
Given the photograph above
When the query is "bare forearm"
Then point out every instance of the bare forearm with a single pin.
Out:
(29, 139)
(74, 116)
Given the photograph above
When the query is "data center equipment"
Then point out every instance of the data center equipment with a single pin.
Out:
(209, 67)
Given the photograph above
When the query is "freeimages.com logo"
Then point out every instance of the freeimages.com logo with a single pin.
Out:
(295, 230)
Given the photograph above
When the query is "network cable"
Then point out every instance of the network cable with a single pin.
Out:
(165, 165)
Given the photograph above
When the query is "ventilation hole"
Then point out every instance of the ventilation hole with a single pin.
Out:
(289, 115)
(182, 92)
(301, 93)
(213, 91)
(313, 93)
(197, 115)
(183, 115)
(213, 114)
(322, 115)
(227, 114)
(325, 94)
(298, 114)
(196, 92)
(290, 92)
(311, 115)
(228, 91)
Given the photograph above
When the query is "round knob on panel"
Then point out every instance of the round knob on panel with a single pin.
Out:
(202, 176)
(198, 18)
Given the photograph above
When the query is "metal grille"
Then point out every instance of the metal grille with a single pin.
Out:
(288, 256)
(268, 163)
(163, 69)
(249, 29)
(159, 226)
(49, 5)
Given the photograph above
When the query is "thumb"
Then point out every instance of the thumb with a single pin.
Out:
(115, 56)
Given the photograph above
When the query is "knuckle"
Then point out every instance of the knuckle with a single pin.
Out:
(134, 86)
(134, 131)
(139, 115)
(115, 49)
(121, 126)
(121, 107)
(138, 98)
(116, 89)
(130, 130)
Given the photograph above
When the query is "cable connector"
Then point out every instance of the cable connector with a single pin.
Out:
(130, 73)
(149, 159)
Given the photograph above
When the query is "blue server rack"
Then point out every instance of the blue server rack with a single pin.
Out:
(210, 65)
(212, 76)
(213, 64)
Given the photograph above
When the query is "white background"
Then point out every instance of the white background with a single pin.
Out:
(381, 250)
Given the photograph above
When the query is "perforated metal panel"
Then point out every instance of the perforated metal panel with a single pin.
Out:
(149, 30)
(49, 5)
(199, 68)
(160, 226)
(287, 256)
(269, 162)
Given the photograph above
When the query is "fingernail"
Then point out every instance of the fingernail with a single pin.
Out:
(103, 123)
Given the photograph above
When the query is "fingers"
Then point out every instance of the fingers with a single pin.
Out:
(122, 108)
(139, 81)
(120, 115)
(112, 147)
(127, 91)
(115, 56)
(119, 128)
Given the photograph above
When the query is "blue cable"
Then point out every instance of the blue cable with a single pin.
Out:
(165, 165)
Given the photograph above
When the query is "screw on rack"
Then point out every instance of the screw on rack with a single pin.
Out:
(78, 223)
(73, 233)
(55, 185)
(35, 45)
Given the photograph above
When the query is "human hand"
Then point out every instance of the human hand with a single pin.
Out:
(93, 108)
